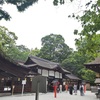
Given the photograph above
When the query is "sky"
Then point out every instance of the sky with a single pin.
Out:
(42, 19)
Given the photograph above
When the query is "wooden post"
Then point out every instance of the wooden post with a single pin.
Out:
(23, 83)
(13, 87)
(37, 91)
(22, 88)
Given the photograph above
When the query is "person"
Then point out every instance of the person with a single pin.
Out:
(81, 90)
(66, 87)
(84, 88)
(75, 89)
(71, 89)
(60, 87)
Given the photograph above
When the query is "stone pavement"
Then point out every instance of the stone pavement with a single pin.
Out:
(50, 96)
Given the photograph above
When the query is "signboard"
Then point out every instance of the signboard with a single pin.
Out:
(23, 81)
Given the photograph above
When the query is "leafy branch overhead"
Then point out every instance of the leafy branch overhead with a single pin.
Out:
(88, 43)
(21, 5)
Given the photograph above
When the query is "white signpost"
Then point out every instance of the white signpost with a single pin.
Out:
(23, 83)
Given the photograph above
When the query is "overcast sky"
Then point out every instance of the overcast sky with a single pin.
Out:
(40, 20)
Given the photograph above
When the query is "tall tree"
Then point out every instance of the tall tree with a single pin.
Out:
(54, 48)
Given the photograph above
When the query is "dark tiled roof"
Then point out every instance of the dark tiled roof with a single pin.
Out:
(44, 63)
(65, 71)
(11, 69)
(94, 65)
(73, 77)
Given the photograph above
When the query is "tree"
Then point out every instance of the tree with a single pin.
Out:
(87, 75)
(90, 19)
(89, 45)
(54, 48)
(7, 39)
(8, 47)
(35, 52)
(20, 4)
(74, 63)
(20, 53)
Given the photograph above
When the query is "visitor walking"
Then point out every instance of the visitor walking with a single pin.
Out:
(60, 87)
(71, 89)
(81, 88)
(66, 87)
(75, 89)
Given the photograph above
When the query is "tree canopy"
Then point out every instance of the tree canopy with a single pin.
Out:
(22, 5)
(8, 47)
(88, 43)
(7, 39)
(54, 48)
(75, 64)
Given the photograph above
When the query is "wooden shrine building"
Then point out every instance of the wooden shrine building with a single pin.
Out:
(11, 76)
(48, 69)
(95, 66)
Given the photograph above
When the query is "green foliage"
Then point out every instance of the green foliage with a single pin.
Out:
(54, 48)
(89, 42)
(4, 14)
(74, 63)
(20, 4)
(90, 19)
(60, 2)
(57, 2)
(88, 75)
(89, 45)
(7, 39)
(21, 52)
(35, 52)
(8, 46)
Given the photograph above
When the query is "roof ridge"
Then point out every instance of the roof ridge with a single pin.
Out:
(45, 60)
